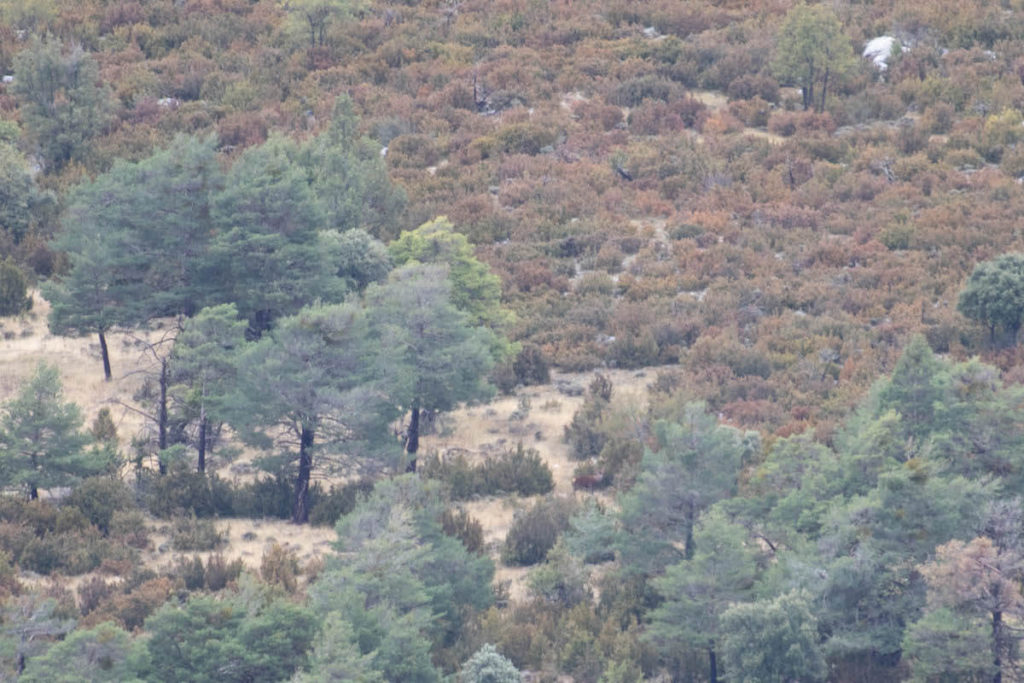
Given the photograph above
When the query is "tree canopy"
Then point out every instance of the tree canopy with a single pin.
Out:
(994, 295)
(812, 52)
(42, 445)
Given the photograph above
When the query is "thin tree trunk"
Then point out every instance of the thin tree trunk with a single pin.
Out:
(997, 636)
(688, 547)
(712, 665)
(300, 512)
(824, 90)
(162, 415)
(106, 356)
(203, 423)
(412, 444)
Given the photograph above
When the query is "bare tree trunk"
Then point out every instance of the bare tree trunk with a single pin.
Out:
(688, 545)
(203, 424)
(412, 443)
(162, 414)
(713, 665)
(824, 90)
(300, 512)
(997, 636)
(106, 356)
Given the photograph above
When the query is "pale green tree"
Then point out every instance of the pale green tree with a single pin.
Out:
(64, 105)
(267, 257)
(488, 665)
(994, 295)
(696, 463)
(135, 237)
(102, 654)
(204, 369)
(349, 178)
(698, 591)
(307, 387)
(336, 656)
(316, 16)
(772, 641)
(402, 585)
(437, 355)
(812, 52)
(42, 444)
(475, 289)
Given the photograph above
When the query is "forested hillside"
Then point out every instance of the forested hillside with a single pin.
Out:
(747, 275)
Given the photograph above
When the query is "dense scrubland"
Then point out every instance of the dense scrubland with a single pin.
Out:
(323, 225)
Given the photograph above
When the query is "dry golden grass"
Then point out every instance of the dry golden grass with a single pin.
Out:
(25, 342)
(246, 540)
(717, 101)
(487, 429)
(479, 430)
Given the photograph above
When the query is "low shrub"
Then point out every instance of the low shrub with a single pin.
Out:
(46, 539)
(220, 573)
(270, 496)
(531, 366)
(280, 567)
(14, 296)
(194, 533)
(328, 508)
(632, 92)
(520, 471)
(129, 527)
(535, 532)
(131, 607)
(92, 593)
(99, 498)
(458, 523)
(179, 491)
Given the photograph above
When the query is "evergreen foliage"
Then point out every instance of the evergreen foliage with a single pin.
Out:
(994, 295)
(14, 296)
(42, 445)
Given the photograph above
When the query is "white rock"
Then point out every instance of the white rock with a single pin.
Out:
(878, 50)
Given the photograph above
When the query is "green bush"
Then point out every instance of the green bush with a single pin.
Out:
(531, 366)
(129, 527)
(264, 497)
(45, 539)
(519, 471)
(632, 92)
(192, 572)
(280, 567)
(14, 297)
(98, 498)
(180, 491)
(458, 523)
(462, 479)
(328, 508)
(584, 434)
(535, 532)
(194, 533)
(213, 576)
(220, 573)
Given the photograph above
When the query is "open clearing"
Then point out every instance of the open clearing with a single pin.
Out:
(478, 431)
